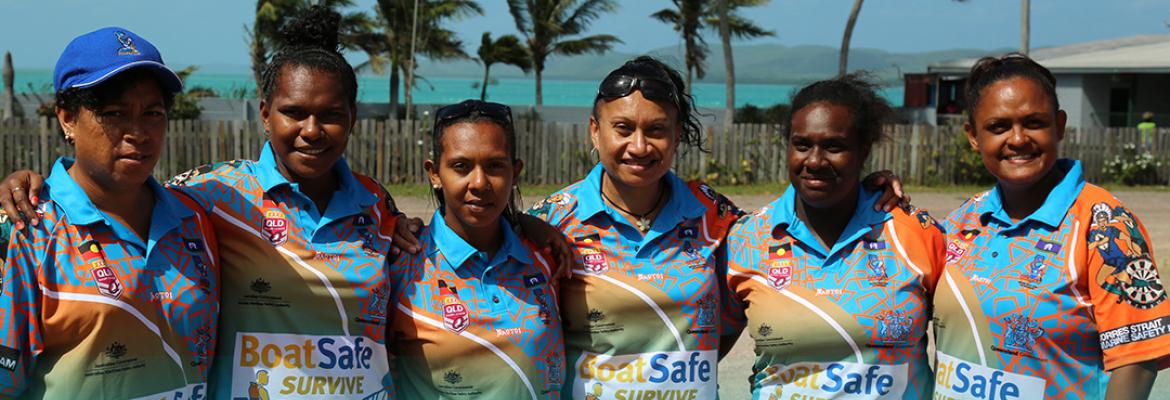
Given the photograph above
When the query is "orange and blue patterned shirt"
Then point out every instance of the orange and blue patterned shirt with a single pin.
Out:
(304, 291)
(89, 309)
(469, 325)
(846, 321)
(641, 313)
(1044, 306)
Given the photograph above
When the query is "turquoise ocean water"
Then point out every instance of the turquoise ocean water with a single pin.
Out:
(557, 92)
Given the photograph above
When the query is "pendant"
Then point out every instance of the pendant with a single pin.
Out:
(643, 224)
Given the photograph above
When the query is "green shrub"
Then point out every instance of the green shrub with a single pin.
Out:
(1132, 167)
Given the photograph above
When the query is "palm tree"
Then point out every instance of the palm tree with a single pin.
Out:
(553, 27)
(432, 40)
(505, 50)
(843, 61)
(691, 17)
(264, 34)
(1025, 25)
(728, 63)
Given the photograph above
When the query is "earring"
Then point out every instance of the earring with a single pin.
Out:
(436, 187)
(593, 153)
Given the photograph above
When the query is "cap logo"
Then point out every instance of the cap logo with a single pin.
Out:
(128, 48)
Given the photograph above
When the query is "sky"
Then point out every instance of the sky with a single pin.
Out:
(212, 32)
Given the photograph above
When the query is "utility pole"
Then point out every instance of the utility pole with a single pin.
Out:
(1025, 25)
(410, 67)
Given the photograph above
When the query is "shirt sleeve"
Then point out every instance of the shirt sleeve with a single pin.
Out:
(20, 336)
(1125, 289)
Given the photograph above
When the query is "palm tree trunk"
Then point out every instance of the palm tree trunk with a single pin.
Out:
(1025, 25)
(8, 103)
(690, 72)
(843, 64)
(539, 98)
(394, 78)
(410, 64)
(483, 88)
(728, 64)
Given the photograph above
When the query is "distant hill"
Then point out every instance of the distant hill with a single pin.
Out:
(762, 63)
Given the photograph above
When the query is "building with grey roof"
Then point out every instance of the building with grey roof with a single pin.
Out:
(1105, 83)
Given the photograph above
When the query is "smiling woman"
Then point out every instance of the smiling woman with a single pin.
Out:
(832, 290)
(1050, 285)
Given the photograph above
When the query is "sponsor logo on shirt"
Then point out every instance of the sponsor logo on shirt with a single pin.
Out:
(1048, 246)
(307, 366)
(834, 380)
(1021, 333)
(194, 246)
(659, 375)
(893, 328)
(877, 270)
(1133, 333)
(455, 315)
(958, 379)
(9, 358)
(1034, 275)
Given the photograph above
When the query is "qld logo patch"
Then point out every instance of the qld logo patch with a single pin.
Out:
(955, 251)
(275, 225)
(780, 275)
(456, 318)
(104, 277)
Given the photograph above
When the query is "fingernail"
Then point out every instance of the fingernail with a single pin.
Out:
(35, 222)
(19, 225)
(34, 199)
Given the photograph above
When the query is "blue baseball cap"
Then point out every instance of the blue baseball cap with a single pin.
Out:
(92, 58)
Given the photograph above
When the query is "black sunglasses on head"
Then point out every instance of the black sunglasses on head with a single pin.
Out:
(654, 84)
(495, 111)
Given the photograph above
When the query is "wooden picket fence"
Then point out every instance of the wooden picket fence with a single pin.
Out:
(558, 153)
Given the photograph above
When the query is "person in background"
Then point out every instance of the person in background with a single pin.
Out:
(476, 308)
(828, 286)
(1050, 288)
(1146, 129)
(115, 294)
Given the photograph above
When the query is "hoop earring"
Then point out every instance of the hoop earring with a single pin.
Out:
(594, 155)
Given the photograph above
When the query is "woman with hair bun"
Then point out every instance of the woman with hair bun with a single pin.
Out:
(831, 289)
(1050, 288)
(304, 240)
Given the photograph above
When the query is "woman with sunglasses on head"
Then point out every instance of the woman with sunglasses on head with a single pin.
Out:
(641, 315)
(836, 295)
(1050, 288)
(115, 293)
(476, 308)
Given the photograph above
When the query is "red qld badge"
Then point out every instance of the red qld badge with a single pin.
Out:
(955, 251)
(103, 276)
(275, 224)
(780, 275)
(455, 315)
(456, 318)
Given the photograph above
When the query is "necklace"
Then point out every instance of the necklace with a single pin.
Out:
(643, 221)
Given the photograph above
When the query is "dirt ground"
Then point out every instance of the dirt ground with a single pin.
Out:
(1153, 208)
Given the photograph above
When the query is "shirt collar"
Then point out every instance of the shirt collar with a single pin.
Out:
(457, 251)
(63, 190)
(783, 211)
(269, 176)
(1055, 206)
(681, 205)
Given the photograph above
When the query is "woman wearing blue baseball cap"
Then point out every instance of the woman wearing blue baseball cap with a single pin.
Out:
(115, 292)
